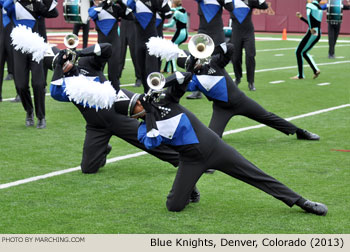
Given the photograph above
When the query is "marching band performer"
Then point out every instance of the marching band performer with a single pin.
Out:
(334, 20)
(128, 39)
(6, 49)
(243, 37)
(145, 14)
(180, 19)
(210, 23)
(168, 123)
(314, 14)
(27, 12)
(101, 124)
(106, 13)
(228, 100)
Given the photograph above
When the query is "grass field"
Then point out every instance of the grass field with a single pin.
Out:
(128, 196)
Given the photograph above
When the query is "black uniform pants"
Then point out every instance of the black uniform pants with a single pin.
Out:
(302, 50)
(113, 61)
(226, 159)
(246, 42)
(333, 32)
(23, 64)
(128, 38)
(251, 109)
(97, 138)
(6, 53)
(147, 63)
(43, 33)
(85, 28)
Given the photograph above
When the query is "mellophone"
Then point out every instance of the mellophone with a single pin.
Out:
(76, 11)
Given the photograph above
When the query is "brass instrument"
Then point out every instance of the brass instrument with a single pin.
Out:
(201, 46)
(156, 82)
(71, 41)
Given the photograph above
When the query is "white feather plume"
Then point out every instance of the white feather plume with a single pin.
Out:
(163, 48)
(90, 93)
(27, 41)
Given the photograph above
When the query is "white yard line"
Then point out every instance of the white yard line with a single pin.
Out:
(324, 84)
(291, 67)
(276, 82)
(137, 154)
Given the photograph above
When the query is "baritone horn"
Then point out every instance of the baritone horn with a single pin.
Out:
(201, 46)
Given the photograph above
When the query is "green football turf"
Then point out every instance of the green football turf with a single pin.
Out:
(129, 196)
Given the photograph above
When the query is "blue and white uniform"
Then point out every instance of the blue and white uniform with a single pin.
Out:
(106, 21)
(170, 124)
(26, 12)
(210, 18)
(145, 12)
(101, 125)
(243, 36)
(228, 100)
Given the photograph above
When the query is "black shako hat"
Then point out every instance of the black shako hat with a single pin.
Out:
(126, 101)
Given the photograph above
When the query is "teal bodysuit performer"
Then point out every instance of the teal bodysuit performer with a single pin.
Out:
(314, 17)
(180, 19)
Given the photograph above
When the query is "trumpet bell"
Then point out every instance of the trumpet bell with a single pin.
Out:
(156, 81)
(71, 41)
(201, 46)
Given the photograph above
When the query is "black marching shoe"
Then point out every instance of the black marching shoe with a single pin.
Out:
(237, 81)
(251, 86)
(195, 195)
(306, 135)
(210, 171)
(138, 83)
(195, 95)
(16, 99)
(109, 149)
(9, 77)
(314, 207)
(30, 119)
(41, 124)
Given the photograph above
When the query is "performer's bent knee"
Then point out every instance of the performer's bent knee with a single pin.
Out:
(89, 168)
(175, 206)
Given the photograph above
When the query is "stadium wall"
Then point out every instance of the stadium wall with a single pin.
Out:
(279, 15)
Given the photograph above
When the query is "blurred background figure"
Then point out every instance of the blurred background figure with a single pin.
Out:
(210, 23)
(85, 27)
(180, 19)
(27, 13)
(128, 39)
(334, 19)
(314, 18)
(145, 15)
(106, 15)
(243, 38)
(6, 54)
